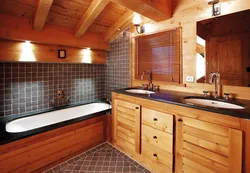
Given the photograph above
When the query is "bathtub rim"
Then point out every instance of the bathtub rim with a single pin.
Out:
(11, 137)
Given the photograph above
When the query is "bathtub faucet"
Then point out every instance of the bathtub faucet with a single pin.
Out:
(52, 103)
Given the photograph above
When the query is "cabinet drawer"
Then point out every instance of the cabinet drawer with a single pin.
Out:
(157, 138)
(157, 120)
(157, 159)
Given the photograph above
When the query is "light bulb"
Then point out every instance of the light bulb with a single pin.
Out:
(137, 19)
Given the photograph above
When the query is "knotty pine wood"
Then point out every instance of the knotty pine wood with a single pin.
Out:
(201, 149)
(19, 28)
(121, 24)
(89, 16)
(107, 18)
(245, 127)
(33, 153)
(42, 11)
(224, 122)
(15, 51)
(215, 118)
(126, 125)
(109, 128)
(185, 15)
(155, 10)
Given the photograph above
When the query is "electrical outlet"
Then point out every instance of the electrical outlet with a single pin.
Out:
(190, 79)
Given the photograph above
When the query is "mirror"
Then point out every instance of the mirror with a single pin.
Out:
(223, 45)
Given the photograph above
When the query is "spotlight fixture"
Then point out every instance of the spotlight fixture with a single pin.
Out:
(215, 9)
(137, 23)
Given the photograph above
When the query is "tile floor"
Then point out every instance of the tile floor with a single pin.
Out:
(103, 158)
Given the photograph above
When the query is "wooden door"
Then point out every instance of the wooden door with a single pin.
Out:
(126, 124)
(203, 147)
(230, 56)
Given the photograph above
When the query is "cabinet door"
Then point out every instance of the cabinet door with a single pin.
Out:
(127, 117)
(203, 147)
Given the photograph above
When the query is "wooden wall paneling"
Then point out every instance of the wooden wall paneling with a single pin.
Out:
(185, 15)
(119, 26)
(18, 28)
(155, 10)
(36, 154)
(42, 11)
(90, 15)
(28, 52)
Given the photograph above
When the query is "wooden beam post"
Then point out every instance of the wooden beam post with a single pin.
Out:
(157, 10)
(90, 15)
(42, 11)
(119, 26)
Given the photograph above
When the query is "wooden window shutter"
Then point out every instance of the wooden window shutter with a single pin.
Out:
(160, 54)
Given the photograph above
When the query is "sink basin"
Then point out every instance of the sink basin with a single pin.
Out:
(139, 91)
(213, 103)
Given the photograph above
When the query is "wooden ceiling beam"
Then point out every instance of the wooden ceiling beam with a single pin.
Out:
(42, 11)
(19, 28)
(90, 15)
(119, 26)
(157, 10)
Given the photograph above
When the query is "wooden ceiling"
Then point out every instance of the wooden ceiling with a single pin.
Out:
(99, 17)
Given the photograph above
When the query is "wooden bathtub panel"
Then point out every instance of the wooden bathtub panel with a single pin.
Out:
(23, 143)
(30, 157)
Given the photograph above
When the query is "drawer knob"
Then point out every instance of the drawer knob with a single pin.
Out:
(179, 120)
(155, 155)
(155, 137)
(155, 119)
(136, 107)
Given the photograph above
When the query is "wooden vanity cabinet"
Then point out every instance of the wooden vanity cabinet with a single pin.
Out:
(157, 140)
(204, 147)
(170, 138)
(144, 134)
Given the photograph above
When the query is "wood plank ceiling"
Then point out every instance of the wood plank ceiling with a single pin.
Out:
(102, 18)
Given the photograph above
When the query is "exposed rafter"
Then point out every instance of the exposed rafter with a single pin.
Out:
(156, 10)
(90, 15)
(42, 11)
(119, 26)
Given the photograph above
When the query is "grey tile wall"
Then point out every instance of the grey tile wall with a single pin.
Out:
(118, 57)
(28, 87)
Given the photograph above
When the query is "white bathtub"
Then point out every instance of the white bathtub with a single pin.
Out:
(49, 118)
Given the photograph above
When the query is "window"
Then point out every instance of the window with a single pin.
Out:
(160, 54)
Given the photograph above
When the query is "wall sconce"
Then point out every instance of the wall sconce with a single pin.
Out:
(215, 9)
(137, 23)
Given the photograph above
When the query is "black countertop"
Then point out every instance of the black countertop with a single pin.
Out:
(177, 98)
(6, 137)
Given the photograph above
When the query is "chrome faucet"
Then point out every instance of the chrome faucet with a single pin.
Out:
(215, 78)
(150, 84)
